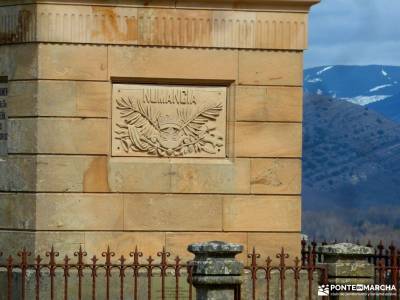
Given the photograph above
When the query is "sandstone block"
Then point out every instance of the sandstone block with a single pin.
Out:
(19, 61)
(80, 62)
(270, 68)
(59, 135)
(172, 212)
(17, 211)
(79, 212)
(258, 139)
(22, 135)
(276, 176)
(139, 175)
(64, 173)
(179, 63)
(210, 176)
(262, 213)
(269, 103)
(22, 98)
(73, 98)
(20, 173)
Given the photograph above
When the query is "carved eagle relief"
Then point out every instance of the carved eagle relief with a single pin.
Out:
(188, 131)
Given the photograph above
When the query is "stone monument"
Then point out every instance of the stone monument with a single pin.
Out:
(151, 123)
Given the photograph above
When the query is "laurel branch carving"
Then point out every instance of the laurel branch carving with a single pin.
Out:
(189, 131)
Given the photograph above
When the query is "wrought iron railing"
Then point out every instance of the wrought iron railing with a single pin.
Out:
(133, 277)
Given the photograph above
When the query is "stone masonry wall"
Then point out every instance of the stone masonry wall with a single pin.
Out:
(60, 185)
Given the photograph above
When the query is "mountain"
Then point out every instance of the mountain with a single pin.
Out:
(351, 171)
(377, 87)
(389, 107)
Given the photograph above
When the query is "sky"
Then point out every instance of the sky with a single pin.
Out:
(354, 32)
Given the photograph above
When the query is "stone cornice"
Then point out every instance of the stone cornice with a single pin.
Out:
(274, 5)
(153, 26)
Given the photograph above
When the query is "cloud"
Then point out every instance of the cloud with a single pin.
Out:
(354, 32)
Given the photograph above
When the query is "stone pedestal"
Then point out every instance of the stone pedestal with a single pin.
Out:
(217, 275)
(348, 265)
(152, 123)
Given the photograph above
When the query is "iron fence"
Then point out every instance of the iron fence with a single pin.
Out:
(386, 260)
(111, 277)
(388, 255)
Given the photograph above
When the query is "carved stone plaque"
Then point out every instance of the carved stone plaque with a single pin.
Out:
(168, 120)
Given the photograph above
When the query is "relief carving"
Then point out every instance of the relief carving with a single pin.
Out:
(169, 122)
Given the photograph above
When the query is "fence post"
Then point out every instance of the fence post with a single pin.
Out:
(348, 265)
(217, 275)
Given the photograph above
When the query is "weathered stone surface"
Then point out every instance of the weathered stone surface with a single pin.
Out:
(276, 176)
(215, 269)
(65, 62)
(65, 173)
(172, 212)
(259, 139)
(17, 211)
(177, 242)
(22, 135)
(270, 68)
(59, 98)
(22, 98)
(139, 175)
(262, 213)
(179, 63)
(270, 244)
(148, 25)
(88, 24)
(351, 269)
(215, 249)
(79, 212)
(20, 173)
(346, 249)
(220, 294)
(58, 135)
(19, 61)
(73, 98)
(269, 103)
(178, 175)
(208, 176)
(79, 173)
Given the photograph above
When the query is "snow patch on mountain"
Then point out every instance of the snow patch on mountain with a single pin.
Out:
(314, 80)
(324, 70)
(364, 100)
(379, 87)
